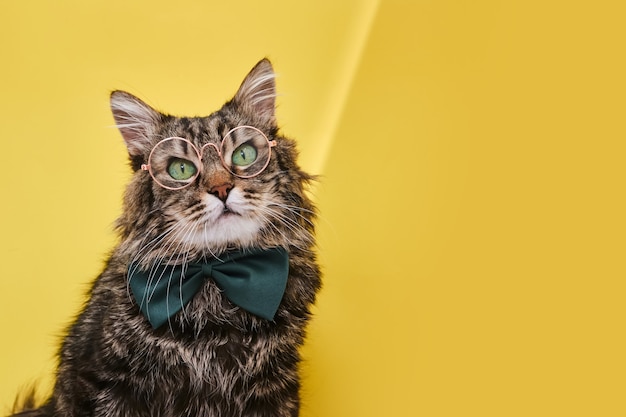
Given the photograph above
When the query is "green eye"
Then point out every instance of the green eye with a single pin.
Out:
(181, 169)
(244, 155)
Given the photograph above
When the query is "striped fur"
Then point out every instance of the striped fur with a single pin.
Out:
(212, 359)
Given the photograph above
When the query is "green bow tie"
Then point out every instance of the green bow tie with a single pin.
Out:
(254, 280)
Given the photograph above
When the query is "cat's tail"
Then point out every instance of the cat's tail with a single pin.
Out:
(26, 405)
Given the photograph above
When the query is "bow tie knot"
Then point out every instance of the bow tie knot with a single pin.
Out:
(253, 280)
(207, 269)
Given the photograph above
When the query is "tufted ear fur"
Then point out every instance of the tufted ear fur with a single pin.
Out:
(257, 93)
(135, 120)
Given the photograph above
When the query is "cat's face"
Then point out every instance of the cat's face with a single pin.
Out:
(204, 185)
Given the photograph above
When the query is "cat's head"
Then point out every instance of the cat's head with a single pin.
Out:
(204, 185)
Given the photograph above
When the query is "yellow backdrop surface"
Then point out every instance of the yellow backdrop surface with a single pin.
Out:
(472, 202)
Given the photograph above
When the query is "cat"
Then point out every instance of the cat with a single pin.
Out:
(221, 189)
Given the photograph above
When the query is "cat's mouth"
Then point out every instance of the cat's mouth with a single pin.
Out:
(228, 211)
(230, 222)
(226, 225)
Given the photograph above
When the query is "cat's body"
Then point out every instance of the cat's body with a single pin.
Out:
(212, 358)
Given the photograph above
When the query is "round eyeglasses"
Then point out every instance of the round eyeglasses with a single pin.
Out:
(174, 163)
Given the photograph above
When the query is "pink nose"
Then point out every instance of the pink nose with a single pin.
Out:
(221, 191)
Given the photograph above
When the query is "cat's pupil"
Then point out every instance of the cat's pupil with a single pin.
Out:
(181, 169)
(244, 155)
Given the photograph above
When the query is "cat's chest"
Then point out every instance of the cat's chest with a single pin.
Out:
(216, 359)
(200, 363)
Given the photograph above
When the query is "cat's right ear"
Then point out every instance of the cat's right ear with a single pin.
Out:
(135, 120)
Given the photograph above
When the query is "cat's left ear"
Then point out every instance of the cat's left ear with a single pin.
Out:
(257, 93)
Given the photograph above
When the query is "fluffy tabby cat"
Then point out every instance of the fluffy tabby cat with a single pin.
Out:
(212, 358)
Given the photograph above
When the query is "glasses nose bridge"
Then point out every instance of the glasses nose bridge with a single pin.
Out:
(210, 145)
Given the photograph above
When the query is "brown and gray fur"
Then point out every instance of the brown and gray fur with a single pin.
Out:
(213, 358)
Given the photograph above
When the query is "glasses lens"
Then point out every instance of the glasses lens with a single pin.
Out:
(174, 163)
(245, 151)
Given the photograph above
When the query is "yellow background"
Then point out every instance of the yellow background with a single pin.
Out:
(472, 202)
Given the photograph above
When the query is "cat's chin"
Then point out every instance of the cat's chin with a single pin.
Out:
(229, 229)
